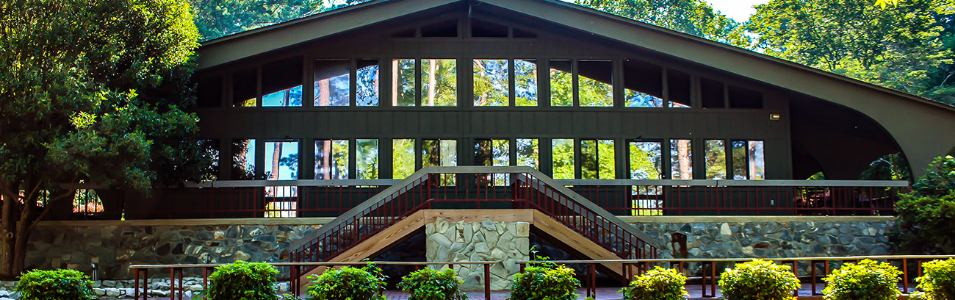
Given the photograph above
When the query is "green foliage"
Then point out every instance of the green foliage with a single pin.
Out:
(88, 86)
(220, 18)
(925, 220)
(348, 283)
(907, 47)
(866, 280)
(688, 16)
(429, 284)
(242, 281)
(657, 284)
(56, 284)
(759, 280)
(545, 281)
(939, 180)
(938, 279)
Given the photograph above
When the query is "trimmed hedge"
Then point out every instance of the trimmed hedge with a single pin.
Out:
(429, 284)
(242, 281)
(56, 284)
(938, 279)
(657, 284)
(348, 283)
(759, 280)
(866, 280)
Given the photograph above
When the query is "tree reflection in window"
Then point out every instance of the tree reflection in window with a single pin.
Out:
(681, 159)
(403, 82)
(646, 160)
(332, 82)
(527, 153)
(403, 158)
(439, 82)
(748, 160)
(525, 82)
(366, 158)
(563, 150)
(597, 159)
(331, 159)
(561, 82)
(595, 83)
(243, 159)
(715, 159)
(491, 82)
(367, 82)
(493, 153)
(643, 84)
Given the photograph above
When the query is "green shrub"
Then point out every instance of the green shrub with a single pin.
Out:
(866, 280)
(56, 284)
(348, 283)
(657, 284)
(545, 282)
(242, 281)
(938, 279)
(925, 222)
(759, 280)
(428, 284)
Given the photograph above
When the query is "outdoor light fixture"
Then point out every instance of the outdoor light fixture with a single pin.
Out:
(774, 117)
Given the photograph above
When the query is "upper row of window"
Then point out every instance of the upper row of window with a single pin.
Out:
(495, 82)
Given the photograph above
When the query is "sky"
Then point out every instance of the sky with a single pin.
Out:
(739, 10)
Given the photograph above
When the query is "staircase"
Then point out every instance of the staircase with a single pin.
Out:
(395, 213)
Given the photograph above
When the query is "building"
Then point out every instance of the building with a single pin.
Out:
(313, 117)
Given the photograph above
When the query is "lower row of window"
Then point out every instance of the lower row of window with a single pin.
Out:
(738, 159)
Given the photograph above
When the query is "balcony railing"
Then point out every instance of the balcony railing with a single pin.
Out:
(331, 198)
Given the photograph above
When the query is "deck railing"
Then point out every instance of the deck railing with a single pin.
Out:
(471, 187)
(331, 198)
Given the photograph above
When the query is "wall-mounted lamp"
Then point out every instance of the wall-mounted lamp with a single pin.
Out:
(774, 117)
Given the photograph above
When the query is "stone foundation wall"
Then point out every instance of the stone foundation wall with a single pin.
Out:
(488, 240)
(114, 247)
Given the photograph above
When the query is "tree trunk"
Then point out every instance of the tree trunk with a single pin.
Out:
(324, 95)
(432, 80)
(7, 242)
(683, 154)
(394, 82)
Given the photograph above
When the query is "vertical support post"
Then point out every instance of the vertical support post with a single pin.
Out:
(905, 275)
(796, 273)
(135, 283)
(522, 266)
(172, 284)
(703, 280)
(593, 280)
(145, 283)
(487, 281)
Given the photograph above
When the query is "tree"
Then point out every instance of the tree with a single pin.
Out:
(693, 17)
(91, 91)
(907, 48)
(218, 18)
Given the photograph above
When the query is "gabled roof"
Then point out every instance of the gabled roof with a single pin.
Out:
(923, 128)
(725, 57)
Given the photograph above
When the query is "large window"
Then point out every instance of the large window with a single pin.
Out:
(439, 82)
(715, 159)
(282, 87)
(438, 86)
(440, 153)
(681, 159)
(366, 158)
(527, 153)
(367, 82)
(643, 84)
(281, 160)
(525, 82)
(403, 158)
(561, 82)
(491, 84)
(403, 82)
(491, 152)
(563, 150)
(646, 160)
(243, 159)
(244, 88)
(331, 159)
(332, 82)
(597, 159)
(748, 160)
(595, 83)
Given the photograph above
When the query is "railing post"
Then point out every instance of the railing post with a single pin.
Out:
(136, 283)
(905, 275)
(487, 281)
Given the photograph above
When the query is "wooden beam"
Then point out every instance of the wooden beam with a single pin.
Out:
(478, 215)
(576, 241)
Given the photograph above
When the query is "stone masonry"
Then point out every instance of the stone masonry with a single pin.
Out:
(485, 241)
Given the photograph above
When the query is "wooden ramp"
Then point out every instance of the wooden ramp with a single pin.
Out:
(411, 225)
